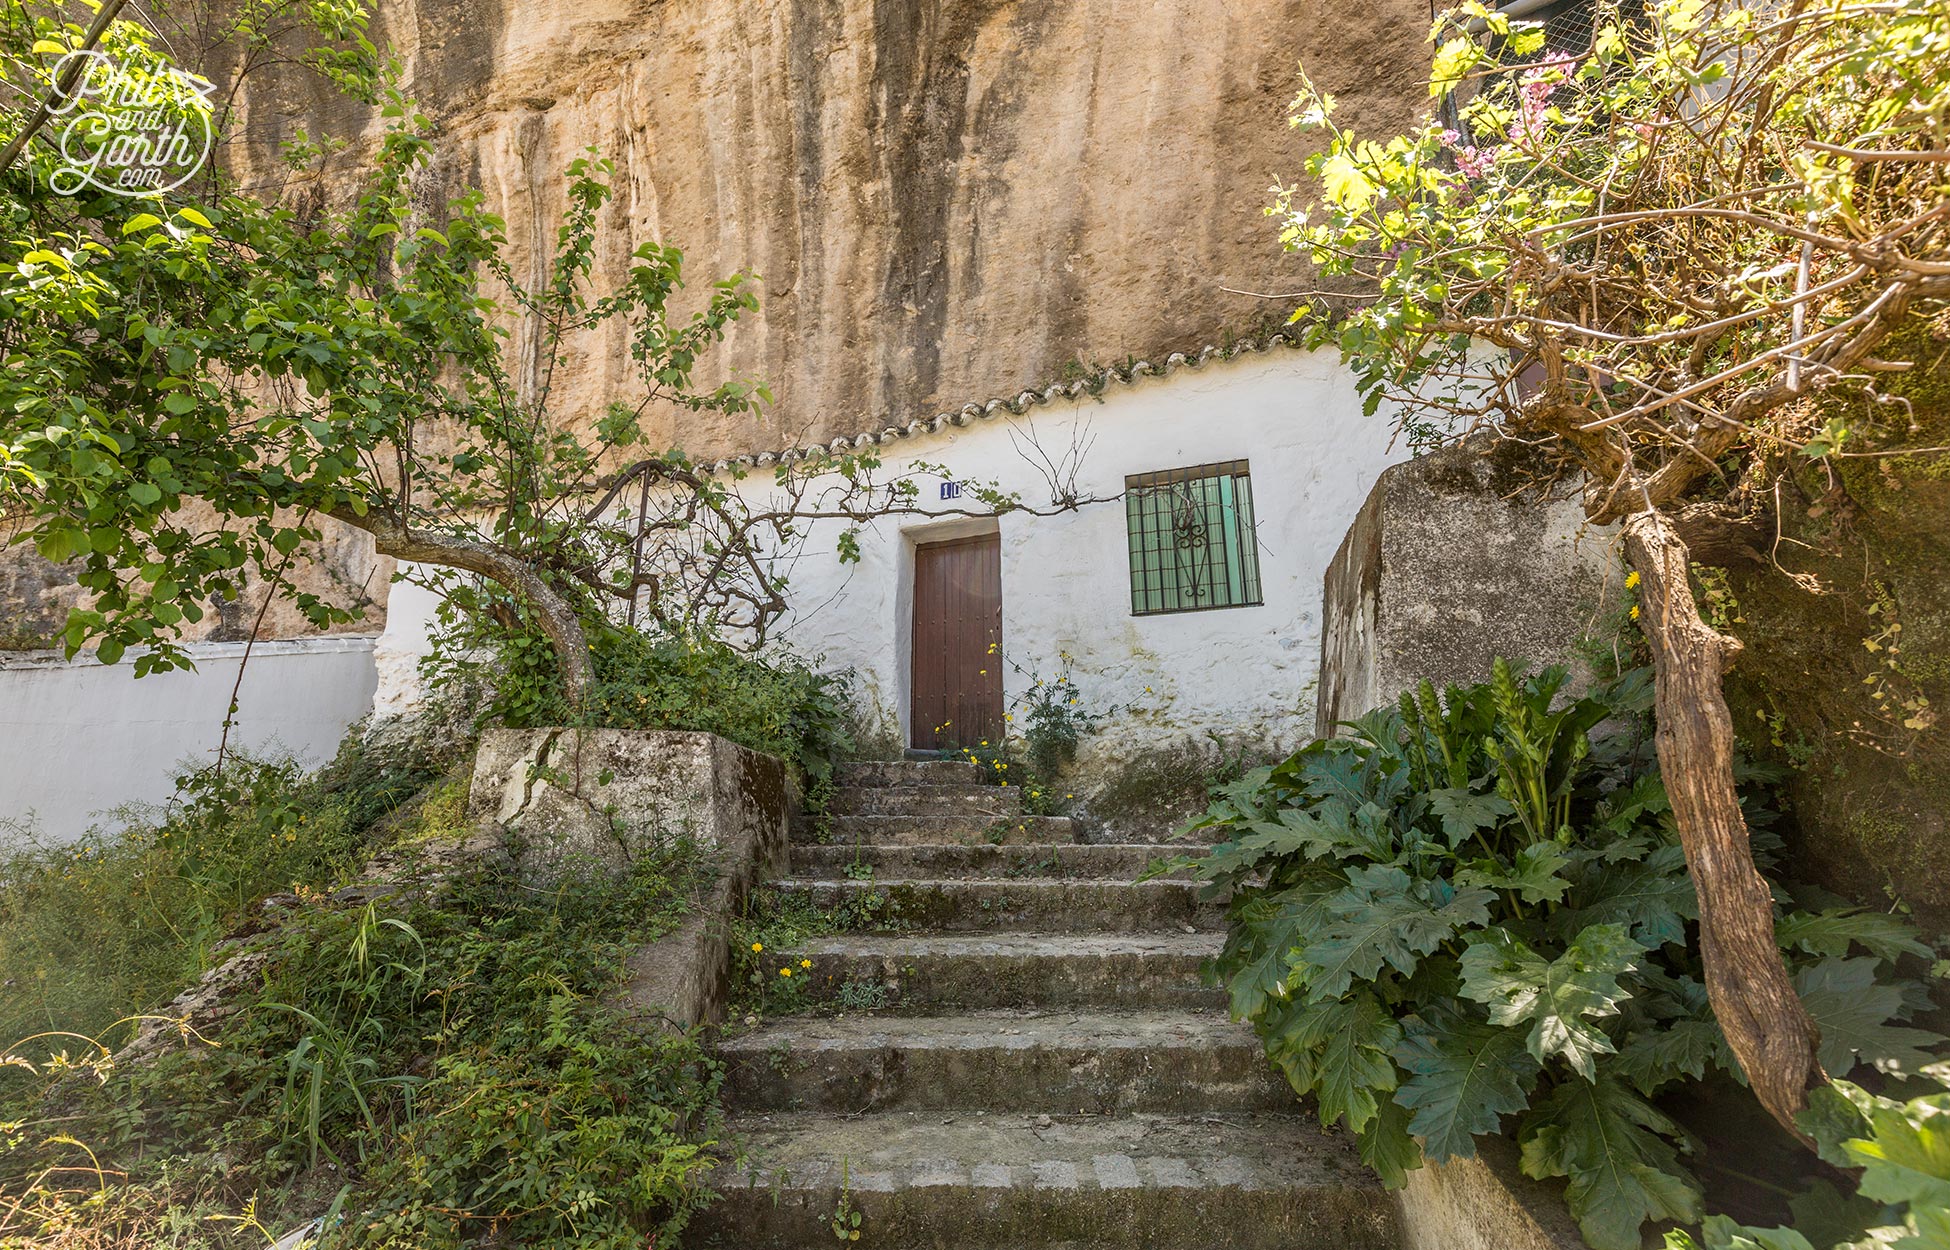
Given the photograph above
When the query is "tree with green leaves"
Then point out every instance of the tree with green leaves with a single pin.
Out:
(1660, 255)
(192, 390)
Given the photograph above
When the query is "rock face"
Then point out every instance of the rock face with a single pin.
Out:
(946, 199)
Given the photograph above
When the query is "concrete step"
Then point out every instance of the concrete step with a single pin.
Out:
(922, 975)
(1090, 1063)
(944, 830)
(906, 773)
(986, 1182)
(985, 803)
(1108, 862)
(1029, 905)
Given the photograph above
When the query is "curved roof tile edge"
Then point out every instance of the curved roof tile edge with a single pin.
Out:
(1094, 384)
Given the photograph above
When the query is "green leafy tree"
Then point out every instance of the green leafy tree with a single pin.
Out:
(191, 392)
(1650, 254)
(1475, 911)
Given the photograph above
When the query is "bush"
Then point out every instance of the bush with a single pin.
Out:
(1476, 908)
(779, 704)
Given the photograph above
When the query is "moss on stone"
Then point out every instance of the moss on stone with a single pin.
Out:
(1819, 686)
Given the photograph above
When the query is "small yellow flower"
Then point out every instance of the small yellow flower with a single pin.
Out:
(805, 963)
(1635, 611)
(983, 673)
(1069, 796)
(1632, 580)
(1010, 717)
(757, 947)
(1147, 690)
(785, 972)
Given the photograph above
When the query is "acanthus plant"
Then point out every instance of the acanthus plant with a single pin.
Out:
(1474, 914)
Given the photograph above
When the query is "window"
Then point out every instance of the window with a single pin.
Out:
(1191, 536)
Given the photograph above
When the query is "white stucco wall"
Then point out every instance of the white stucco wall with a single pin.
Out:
(1066, 580)
(78, 738)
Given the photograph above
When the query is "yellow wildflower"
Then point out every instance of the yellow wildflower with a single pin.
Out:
(805, 963)
(1632, 580)
(1635, 611)
(785, 972)
(757, 947)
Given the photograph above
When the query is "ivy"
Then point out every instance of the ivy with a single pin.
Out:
(1471, 916)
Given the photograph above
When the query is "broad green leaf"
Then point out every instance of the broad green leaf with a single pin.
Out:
(195, 218)
(1453, 60)
(1345, 185)
(1384, 917)
(1534, 877)
(1906, 1156)
(1526, 42)
(1466, 1076)
(1611, 1147)
(1855, 1012)
(145, 493)
(1653, 896)
(1387, 1147)
(1670, 1050)
(1722, 1232)
(1830, 933)
(141, 221)
(1463, 813)
(1353, 1041)
(1556, 997)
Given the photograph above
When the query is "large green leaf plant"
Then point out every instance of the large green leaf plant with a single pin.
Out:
(1472, 915)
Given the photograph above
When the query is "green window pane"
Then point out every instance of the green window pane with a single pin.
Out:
(1191, 539)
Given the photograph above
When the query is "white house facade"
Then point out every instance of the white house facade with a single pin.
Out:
(1187, 596)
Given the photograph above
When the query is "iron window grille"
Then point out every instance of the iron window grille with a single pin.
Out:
(1191, 539)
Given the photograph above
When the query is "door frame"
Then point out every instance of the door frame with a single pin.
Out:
(914, 537)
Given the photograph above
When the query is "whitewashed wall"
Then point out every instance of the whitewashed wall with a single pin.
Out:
(78, 737)
(1066, 580)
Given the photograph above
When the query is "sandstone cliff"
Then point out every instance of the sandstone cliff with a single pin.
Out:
(946, 199)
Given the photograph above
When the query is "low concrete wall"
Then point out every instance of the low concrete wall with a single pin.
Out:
(1451, 563)
(1485, 1203)
(606, 794)
(78, 737)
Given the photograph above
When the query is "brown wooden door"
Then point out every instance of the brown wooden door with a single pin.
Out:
(957, 670)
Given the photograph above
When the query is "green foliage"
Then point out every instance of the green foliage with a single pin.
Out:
(277, 367)
(1901, 1146)
(1475, 910)
(436, 1070)
(121, 921)
(775, 703)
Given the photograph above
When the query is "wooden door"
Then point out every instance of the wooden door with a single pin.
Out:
(957, 673)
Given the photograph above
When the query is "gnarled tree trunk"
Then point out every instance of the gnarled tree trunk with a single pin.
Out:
(558, 620)
(1763, 1019)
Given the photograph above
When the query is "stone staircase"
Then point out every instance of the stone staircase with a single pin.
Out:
(1048, 1072)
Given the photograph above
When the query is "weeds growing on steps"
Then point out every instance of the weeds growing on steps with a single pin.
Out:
(770, 977)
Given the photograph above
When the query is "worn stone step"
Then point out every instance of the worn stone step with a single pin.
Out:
(941, 830)
(985, 803)
(906, 773)
(1113, 862)
(1023, 906)
(922, 975)
(1087, 1062)
(972, 1182)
